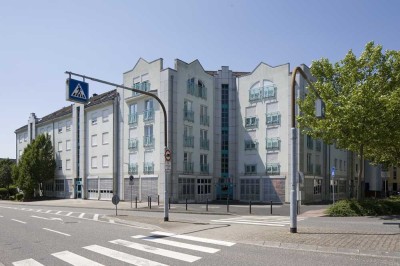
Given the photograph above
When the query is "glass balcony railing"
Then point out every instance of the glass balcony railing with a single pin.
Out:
(273, 144)
(188, 141)
(273, 119)
(133, 144)
(132, 119)
(205, 120)
(148, 141)
(148, 168)
(188, 115)
(251, 122)
(148, 115)
(205, 144)
(204, 168)
(273, 169)
(143, 86)
(188, 167)
(133, 169)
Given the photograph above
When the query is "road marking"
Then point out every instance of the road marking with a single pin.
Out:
(1, 216)
(157, 251)
(68, 214)
(260, 220)
(81, 215)
(250, 223)
(123, 256)
(75, 259)
(176, 244)
(28, 262)
(48, 211)
(194, 238)
(112, 221)
(96, 217)
(38, 210)
(61, 233)
(44, 218)
(19, 221)
(58, 212)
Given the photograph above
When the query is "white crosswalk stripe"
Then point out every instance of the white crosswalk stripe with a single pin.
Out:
(156, 237)
(278, 221)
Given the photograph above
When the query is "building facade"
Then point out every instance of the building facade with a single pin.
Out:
(228, 132)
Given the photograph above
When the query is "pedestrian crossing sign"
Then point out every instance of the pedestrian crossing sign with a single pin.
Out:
(77, 91)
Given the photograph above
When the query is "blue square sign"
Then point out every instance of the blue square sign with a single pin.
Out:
(77, 91)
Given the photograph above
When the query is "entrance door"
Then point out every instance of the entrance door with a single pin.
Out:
(78, 188)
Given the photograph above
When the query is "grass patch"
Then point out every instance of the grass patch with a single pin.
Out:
(367, 207)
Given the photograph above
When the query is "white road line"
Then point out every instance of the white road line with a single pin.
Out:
(44, 218)
(81, 215)
(157, 251)
(250, 223)
(123, 256)
(48, 211)
(19, 221)
(58, 212)
(1, 216)
(75, 259)
(68, 214)
(112, 221)
(96, 217)
(61, 233)
(194, 238)
(176, 244)
(28, 262)
(38, 210)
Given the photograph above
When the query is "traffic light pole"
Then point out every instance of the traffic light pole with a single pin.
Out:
(166, 218)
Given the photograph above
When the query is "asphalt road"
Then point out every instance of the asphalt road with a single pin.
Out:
(53, 235)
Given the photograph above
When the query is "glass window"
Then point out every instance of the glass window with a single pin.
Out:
(105, 114)
(105, 161)
(94, 162)
(60, 127)
(94, 140)
(94, 119)
(59, 185)
(68, 164)
(68, 144)
(105, 138)
(68, 125)
(60, 146)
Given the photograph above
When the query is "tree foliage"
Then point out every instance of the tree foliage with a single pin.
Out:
(6, 173)
(361, 97)
(36, 165)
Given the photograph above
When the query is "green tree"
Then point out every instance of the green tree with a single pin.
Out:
(6, 173)
(37, 164)
(361, 97)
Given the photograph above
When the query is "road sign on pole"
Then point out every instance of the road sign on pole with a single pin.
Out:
(168, 166)
(77, 91)
(131, 180)
(167, 155)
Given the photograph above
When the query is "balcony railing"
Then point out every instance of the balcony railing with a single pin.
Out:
(191, 89)
(188, 141)
(266, 92)
(202, 92)
(133, 144)
(273, 119)
(188, 115)
(143, 86)
(273, 169)
(132, 119)
(205, 144)
(188, 167)
(204, 168)
(133, 169)
(148, 115)
(148, 168)
(250, 145)
(148, 141)
(205, 120)
(251, 122)
(273, 144)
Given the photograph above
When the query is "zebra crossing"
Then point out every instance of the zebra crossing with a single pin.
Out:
(278, 221)
(135, 250)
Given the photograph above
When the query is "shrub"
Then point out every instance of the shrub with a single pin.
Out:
(3, 193)
(13, 190)
(368, 207)
(12, 197)
(19, 196)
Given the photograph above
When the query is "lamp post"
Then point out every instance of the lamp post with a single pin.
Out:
(166, 218)
(293, 136)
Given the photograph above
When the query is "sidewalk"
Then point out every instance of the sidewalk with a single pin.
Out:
(377, 240)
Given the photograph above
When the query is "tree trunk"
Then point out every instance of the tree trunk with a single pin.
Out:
(360, 173)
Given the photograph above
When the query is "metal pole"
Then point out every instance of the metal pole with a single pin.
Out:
(227, 204)
(207, 204)
(333, 187)
(135, 202)
(150, 202)
(116, 214)
(169, 203)
(250, 206)
(186, 203)
(158, 200)
(271, 206)
(166, 218)
(131, 197)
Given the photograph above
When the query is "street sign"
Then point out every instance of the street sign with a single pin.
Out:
(131, 180)
(167, 155)
(333, 171)
(168, 166)
(115, 199)
(77, 91)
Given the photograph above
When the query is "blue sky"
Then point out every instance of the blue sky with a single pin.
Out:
(40, 40)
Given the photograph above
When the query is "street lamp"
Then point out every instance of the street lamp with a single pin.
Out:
(293, 136)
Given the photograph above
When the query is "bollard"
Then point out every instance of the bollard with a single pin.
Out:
(271, 206)
(227, 204)
(158, 200)
(298, 208)
(150, 202)
(207, 204)
(135, 202)
(250, 206)
(186, 203)
(169, 203)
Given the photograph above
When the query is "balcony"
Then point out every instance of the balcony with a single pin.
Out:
(273, 169)
(133, 169)
(205, 120)
(148, 115)
(251, 122)
(205, 144)
(132, 119)
(250, 145)
(255, 94)
(191, 88)
(273, 144)
(133, 144)
(202, 92)
(143, 86)
(188, 115)
(204, 168)
(188, 167)
(148, 168)
(188, 141)
(269, 92)
(273, 119)
(148, 141)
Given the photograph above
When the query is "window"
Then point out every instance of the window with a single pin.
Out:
(105, 161)
(60, 146)
(203, 186)
(68, 164)
(19, 154)
(340, 164)
(224, 164)
(251, 122)
(188, 111)
(204, 142)
(59, 164)
(148, 168)
(202, 90)
(310, 142)
(394, 172)
(68, 144)
(203, 164)
(132, 118)
(250, 145)
(273, 144)
(190, 86)
(273, 119)
(20, 138)
(186, 188)
(60, 127)
(224, 140)
(105, 138)
(188, 138)
(68, 125)
(250, 189)
(148, 140)
(187, 162)
(59, 185)
(94, 119)
(335, 163)
(94, 140)
(250, 169)
(317, 186)
(310, 169)
(148, 113)
(25, 137)
(318, 145)
(273, 169)
(105, 114)
(94, 162)
(204, 118)
(225, 94)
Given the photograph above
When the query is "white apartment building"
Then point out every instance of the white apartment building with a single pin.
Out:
(228, 132)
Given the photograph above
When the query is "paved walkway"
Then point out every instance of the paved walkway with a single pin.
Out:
(346, 240)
